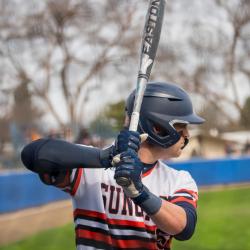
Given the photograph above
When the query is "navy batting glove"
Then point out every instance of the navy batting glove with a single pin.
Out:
(130, 167)
(127, 140)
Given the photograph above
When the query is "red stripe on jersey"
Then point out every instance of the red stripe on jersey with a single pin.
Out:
(118, 222)
(136, 224)
(119, 243)
(74, 189)
(181, 198)
(191, 192)
(83, 233)
(90, 213)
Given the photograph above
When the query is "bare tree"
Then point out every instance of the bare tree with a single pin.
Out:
(77, 47)
(66, 46)
(210, 56)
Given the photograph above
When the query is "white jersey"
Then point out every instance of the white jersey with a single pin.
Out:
(106, 219)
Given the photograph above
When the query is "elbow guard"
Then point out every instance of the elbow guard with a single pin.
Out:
(46, 155)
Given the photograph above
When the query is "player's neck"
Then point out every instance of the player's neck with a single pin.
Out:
(147, 155)
(151, 153)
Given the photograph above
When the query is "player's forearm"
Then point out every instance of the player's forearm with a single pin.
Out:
(45, 155)
(170, 218)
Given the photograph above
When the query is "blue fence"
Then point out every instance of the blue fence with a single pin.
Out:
(217, 171)
(23, 190)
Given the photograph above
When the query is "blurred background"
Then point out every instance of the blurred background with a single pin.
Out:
(66, 68)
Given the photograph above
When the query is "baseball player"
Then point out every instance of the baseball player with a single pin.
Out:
(160, 202)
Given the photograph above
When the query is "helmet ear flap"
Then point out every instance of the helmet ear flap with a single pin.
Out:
(159, 130)
(164, 136)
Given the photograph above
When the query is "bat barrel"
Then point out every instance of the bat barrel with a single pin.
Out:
(150, 41)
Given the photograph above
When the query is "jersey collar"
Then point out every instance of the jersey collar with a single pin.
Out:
(148, 168)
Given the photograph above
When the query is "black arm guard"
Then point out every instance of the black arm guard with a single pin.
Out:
(47, 155)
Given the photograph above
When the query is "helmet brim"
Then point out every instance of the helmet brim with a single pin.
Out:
(192, 119)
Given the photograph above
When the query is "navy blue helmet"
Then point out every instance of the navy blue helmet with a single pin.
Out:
(163, 105)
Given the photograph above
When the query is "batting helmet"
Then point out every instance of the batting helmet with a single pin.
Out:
(163, 105)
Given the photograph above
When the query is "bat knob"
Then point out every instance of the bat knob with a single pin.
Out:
(123, 181)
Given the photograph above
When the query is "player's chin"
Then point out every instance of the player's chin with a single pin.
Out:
(177, 153)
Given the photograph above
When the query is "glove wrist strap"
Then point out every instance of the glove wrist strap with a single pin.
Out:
(149, 202)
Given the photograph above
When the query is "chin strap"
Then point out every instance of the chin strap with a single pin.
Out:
(185, 142)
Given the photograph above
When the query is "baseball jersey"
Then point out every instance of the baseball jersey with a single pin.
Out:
(106, 219)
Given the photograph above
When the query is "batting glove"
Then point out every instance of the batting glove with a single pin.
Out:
(130, 167)
(127, 140)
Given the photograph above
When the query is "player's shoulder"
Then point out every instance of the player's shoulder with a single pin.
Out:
(172, 171)
(178, 178)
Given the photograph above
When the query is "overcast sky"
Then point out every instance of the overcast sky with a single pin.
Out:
(175, 33)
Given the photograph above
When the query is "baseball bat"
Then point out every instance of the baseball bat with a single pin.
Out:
(150, 40)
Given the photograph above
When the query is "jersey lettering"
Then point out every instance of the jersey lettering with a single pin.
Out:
(118, 203)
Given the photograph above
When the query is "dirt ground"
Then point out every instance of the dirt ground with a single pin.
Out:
(19, 225)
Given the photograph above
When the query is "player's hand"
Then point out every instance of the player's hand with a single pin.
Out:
(59, 178)
(130, 167)
(127, 140)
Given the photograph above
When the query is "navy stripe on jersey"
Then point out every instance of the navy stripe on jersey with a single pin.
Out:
(102, 245)
(93, 243)
(125, 227)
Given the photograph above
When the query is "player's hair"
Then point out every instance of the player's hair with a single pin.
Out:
(163, 105)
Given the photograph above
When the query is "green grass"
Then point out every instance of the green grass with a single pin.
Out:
(223, 224)
(54, 239)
